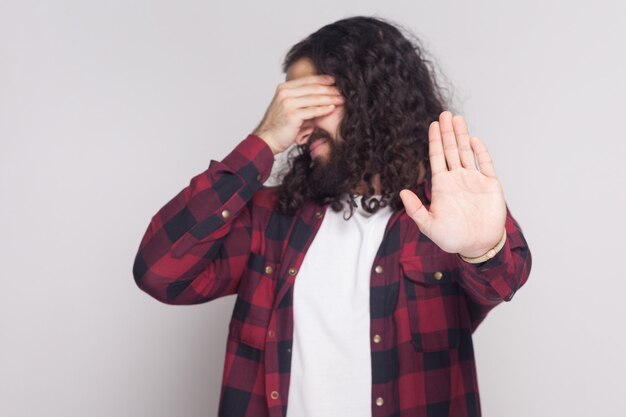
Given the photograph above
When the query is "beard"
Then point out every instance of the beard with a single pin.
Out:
(327, 173)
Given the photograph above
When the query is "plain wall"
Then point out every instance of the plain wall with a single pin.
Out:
(107, 109)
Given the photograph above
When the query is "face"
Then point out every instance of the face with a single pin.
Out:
(320, 134)
(321, 139)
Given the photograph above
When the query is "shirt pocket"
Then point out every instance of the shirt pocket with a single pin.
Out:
(254, 303)
(432, 297)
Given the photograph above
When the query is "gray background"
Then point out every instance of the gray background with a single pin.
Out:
(107, 109)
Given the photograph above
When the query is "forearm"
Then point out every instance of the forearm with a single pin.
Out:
(177, 261)
(489, 283)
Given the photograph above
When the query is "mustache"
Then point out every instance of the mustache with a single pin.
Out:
(317, 135)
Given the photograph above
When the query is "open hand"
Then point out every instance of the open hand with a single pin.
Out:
(467, 212)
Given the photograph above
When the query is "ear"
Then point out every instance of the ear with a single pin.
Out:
(303, 135)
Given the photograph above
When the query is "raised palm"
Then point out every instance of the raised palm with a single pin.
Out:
(467, 212)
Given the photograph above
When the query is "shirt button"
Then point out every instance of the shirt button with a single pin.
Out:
(269, 269)
(378, 269)
(292, 271)
(270, 333)
(225, 213)
(380, 401)
(377, 338)
(318, 214)
(274, 395)
(438, 275)
(258, 177)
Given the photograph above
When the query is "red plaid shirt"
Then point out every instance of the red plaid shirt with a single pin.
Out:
(221, 235)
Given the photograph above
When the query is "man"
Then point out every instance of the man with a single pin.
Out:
(358, 309)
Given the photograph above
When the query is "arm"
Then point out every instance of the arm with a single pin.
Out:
(468, 216)
(196, 246)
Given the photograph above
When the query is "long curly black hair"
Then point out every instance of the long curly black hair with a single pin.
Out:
(391, 97)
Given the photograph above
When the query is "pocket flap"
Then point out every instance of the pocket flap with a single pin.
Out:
(429, 269)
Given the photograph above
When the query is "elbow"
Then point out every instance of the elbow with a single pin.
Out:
(147, 281)
(166, 290)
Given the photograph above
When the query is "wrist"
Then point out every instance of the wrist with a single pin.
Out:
(488, 254)
(267, 139)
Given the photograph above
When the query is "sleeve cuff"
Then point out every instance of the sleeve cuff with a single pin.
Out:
(493, 271)
(252, 159)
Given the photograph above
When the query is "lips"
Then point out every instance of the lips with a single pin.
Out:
(316, 144)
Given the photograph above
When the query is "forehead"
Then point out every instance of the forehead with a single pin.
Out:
(301, 68)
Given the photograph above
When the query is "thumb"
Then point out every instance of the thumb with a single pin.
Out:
(416, 210)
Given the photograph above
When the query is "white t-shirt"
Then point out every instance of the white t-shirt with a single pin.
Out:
(331, 371)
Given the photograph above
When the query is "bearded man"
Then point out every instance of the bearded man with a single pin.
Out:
(362, 276)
